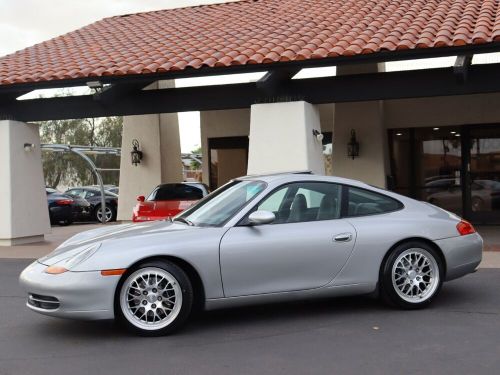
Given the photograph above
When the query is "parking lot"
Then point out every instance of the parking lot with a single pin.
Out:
(458, 334)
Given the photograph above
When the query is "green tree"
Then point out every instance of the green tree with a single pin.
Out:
(67, 169)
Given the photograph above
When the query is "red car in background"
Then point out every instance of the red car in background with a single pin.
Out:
(168, 200)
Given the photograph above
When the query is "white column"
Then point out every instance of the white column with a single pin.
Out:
(366, 118)
(159, 140)
(281, 138)
(24, 217)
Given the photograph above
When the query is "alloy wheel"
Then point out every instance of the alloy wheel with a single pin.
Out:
(151, 298)
(108, 211)
(415, 275)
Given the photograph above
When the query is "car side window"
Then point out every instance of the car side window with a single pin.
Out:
(90, 194)
(363, 202)
(76, 193)
(304, 201)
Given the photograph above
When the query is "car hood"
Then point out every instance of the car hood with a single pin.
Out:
(84, 240)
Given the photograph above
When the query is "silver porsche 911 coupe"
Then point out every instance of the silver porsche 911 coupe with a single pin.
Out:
(257, 239)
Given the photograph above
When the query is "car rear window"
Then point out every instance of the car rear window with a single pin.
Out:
(364, 202)
(171, 192)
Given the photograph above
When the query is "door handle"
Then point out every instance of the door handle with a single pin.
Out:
(343, 237)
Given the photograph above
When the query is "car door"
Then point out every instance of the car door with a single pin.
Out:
(305, 248)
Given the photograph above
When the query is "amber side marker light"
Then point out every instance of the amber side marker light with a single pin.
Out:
(464, 228)
(117, 272)
(55, 270)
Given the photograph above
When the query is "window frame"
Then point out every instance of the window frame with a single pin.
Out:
(344, 203)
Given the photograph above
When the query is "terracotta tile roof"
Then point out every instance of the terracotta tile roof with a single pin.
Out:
(252, 32)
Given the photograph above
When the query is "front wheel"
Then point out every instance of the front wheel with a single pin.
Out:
(155, 299)
(411, 276)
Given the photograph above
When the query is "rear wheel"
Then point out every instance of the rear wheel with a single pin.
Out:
(411, 276)
(154, 299)
(110, 214)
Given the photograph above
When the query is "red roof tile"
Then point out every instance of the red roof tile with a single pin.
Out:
(252, 32)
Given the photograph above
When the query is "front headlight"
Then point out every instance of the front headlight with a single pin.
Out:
(70, 263)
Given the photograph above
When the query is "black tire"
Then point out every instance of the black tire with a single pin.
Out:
(183, 313)
(388, 290)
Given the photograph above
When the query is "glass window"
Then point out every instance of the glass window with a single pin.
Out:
(274, 201)
(223, 204)
(90, 194)
(76, 193)
(364, 202)
(176, 192)
(304, 201)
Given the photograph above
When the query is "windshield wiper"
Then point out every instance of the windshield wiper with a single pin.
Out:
(185, 221)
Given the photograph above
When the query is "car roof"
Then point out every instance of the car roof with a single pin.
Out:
(303, 176)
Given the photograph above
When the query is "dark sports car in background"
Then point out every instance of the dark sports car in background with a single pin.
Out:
(64, 209)
(93, 196)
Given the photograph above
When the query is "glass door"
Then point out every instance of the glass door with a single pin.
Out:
(483, 183)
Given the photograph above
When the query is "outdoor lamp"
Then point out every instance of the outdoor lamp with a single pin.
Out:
(318, 135)
(136, 154)
(94, 85)
(353, 146)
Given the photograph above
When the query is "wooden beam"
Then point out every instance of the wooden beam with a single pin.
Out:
(351, 88)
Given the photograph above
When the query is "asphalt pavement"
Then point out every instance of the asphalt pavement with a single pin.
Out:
(459, 334)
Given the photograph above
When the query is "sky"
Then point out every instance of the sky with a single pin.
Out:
(24, 23)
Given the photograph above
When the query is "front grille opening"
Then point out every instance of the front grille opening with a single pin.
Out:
(43, 302)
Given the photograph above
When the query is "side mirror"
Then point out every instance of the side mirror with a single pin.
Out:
(141, 198)
(261, 217)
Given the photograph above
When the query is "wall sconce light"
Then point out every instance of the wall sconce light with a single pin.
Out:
(353, 146)
(136, 154)
(318, 135)
(28, 147)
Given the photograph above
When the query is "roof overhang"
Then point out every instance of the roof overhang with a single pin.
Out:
(459, 80)
(16, 90)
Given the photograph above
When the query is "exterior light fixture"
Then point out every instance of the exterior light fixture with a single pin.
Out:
(95, 85)
(435, 128)
(353, 146)
(319, 136)
(28, 147)
(399, 134)
(136, 154)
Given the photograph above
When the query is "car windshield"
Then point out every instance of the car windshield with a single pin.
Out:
(220, 206)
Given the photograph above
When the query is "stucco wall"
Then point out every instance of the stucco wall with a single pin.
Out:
(442, 111)
(158, 136)
(281, 138)
(214, 124)
(24, 216)
(367, 119)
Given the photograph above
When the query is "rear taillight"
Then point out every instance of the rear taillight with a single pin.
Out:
(64, 202)
(464, 228)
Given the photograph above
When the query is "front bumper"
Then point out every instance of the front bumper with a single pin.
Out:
(462, 254)
(80, 295)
